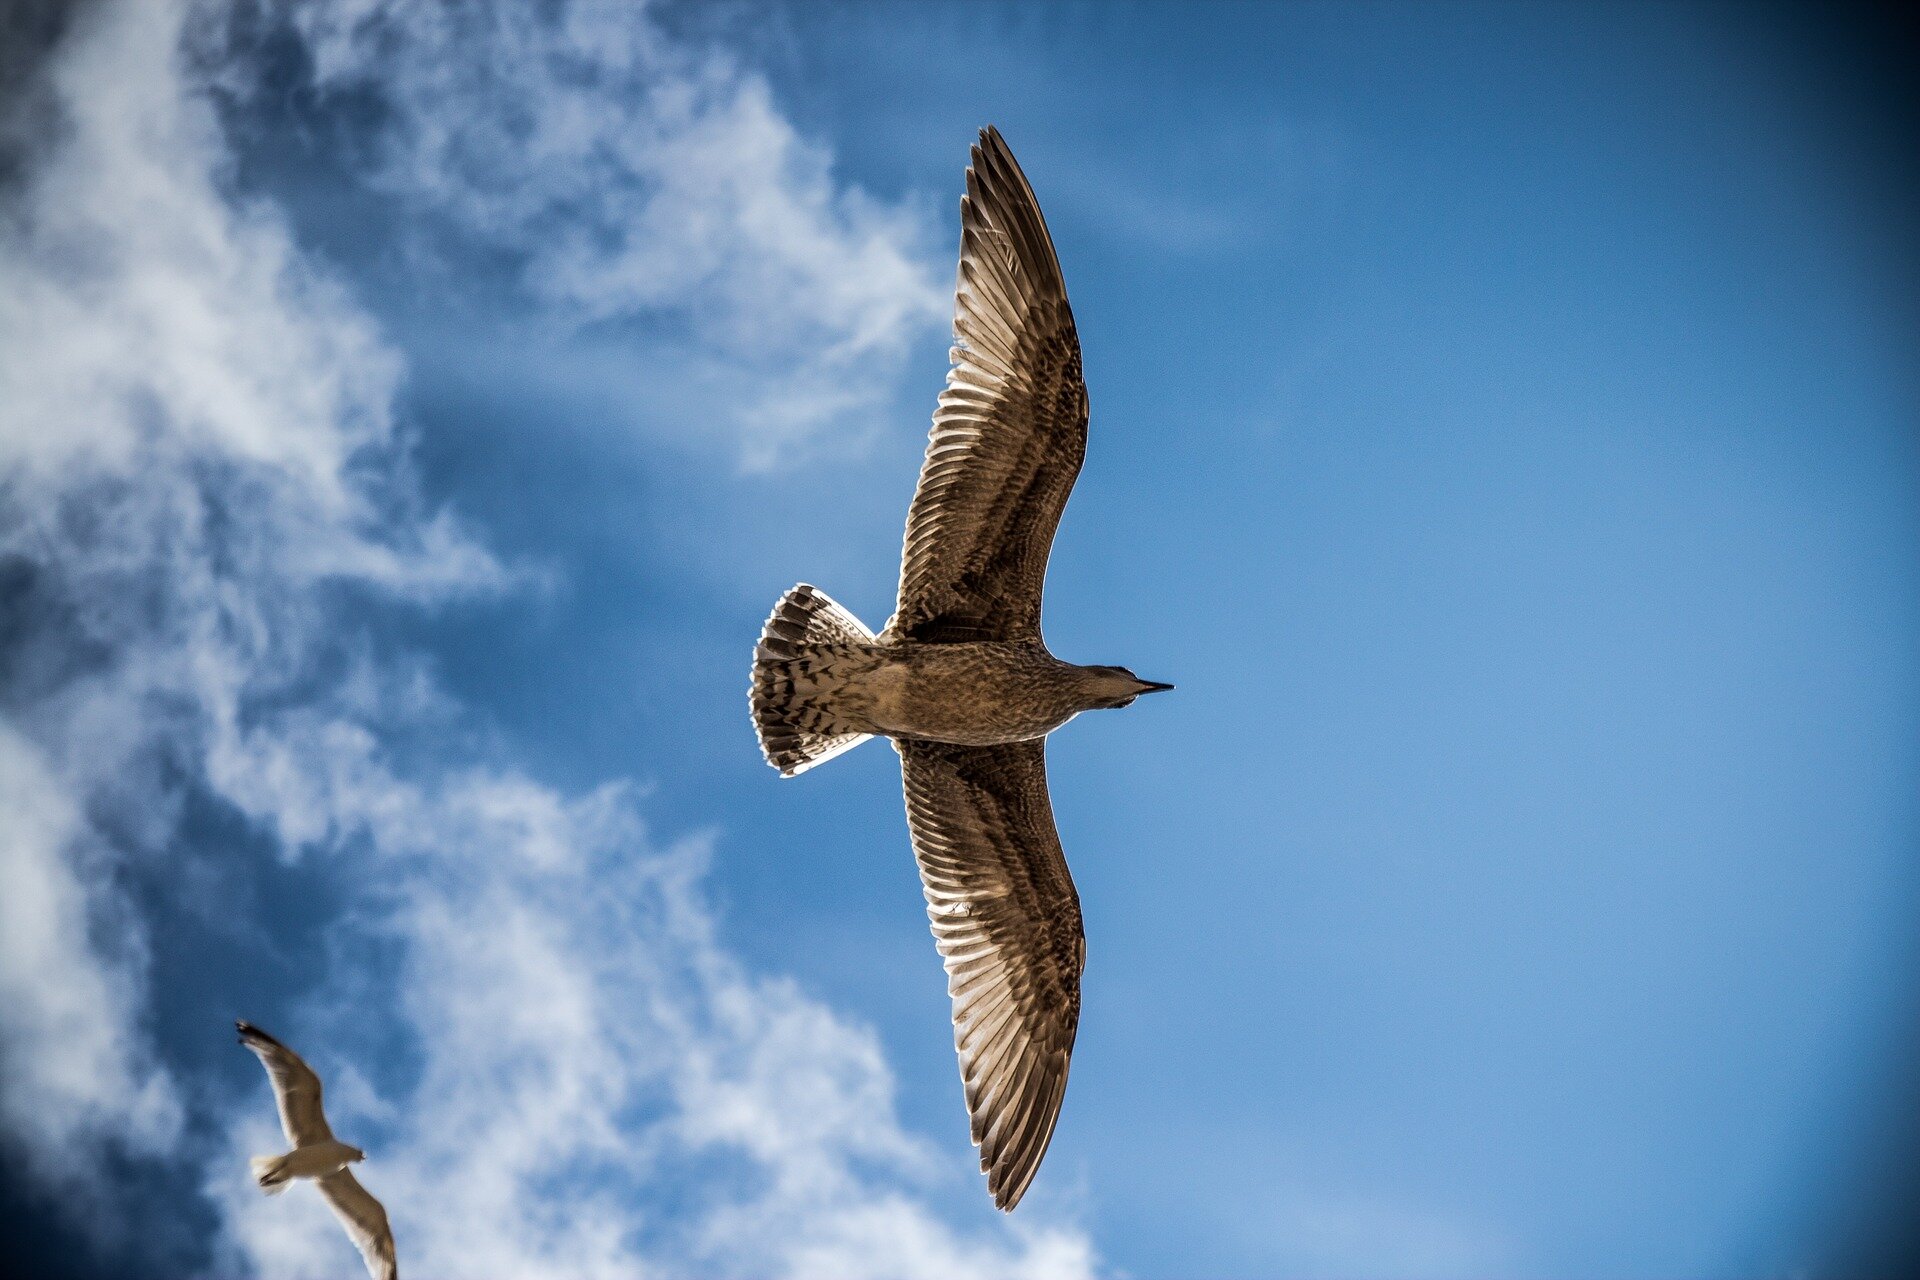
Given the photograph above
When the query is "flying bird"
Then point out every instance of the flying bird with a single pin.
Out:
(961, 680)
(317, 1155)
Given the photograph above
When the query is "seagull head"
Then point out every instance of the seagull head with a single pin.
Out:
(1117, 686)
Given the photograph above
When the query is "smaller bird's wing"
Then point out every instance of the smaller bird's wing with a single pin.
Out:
(1007, 922)
(365, 1220)
(1011, 428)
(295, 1088)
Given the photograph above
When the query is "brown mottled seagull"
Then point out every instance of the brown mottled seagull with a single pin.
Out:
(961, 680)
(317, 1155)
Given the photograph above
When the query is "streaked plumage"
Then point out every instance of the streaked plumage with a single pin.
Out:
(317, 1155)
(961, 679)
(1007, 922)
(1010, 430)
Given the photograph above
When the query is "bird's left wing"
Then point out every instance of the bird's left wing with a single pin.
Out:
(1011, 428)
(296, 1089)
(365, 1220)
(1007, 922)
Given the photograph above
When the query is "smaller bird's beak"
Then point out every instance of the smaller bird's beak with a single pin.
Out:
(1150, 686)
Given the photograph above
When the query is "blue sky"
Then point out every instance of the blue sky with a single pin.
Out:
(1503, 435)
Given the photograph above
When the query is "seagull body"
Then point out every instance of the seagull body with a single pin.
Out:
(317, 1156)
(977, 694)
(961, 680)
(317, 1160)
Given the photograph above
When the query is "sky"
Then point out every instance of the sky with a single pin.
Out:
(1503, 435)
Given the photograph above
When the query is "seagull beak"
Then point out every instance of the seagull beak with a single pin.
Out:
(1150, 686)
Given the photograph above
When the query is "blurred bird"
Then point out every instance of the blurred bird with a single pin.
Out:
(961, 680)
(317, 1155)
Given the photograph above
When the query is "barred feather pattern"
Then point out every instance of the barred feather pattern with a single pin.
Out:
(1006, 919)
(1010, 430)
(807, 641)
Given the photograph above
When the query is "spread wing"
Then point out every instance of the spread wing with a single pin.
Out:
(1007, 922)
(295, 1088)
(1010, 430)
(365, 1220)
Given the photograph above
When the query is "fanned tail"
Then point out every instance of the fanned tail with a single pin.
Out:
(794, 734)
(270, 1172)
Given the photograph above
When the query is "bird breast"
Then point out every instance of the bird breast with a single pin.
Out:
(979, 694)
(318, 1159)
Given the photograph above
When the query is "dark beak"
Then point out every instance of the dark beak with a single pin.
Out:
(1149, 686)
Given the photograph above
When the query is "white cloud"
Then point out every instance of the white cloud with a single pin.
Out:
(584, 1041)
(196, 447)
(68, 1068)
(633, 175)
(183, 404)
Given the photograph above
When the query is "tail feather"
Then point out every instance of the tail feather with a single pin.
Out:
(808, 616)
(270, 1173)
(794, 735)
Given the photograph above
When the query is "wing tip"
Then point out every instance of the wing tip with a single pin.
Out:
(1011, 1188)
(1008, 1183)
(992, 143)
(251, 1035)
(1013, 1162)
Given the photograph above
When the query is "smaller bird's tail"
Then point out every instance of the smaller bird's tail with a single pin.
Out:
(794, 735)
(270, 1172)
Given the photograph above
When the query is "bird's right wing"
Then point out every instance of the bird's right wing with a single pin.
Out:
(296, 1089)
(1007, 922)
(365, 1220)
(1011, 428)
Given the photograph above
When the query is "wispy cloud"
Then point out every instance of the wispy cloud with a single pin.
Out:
(72, 1075)
(525, 1008)
(184, 406)
(601, 1088)
(1325, 1233)
(629, 174)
